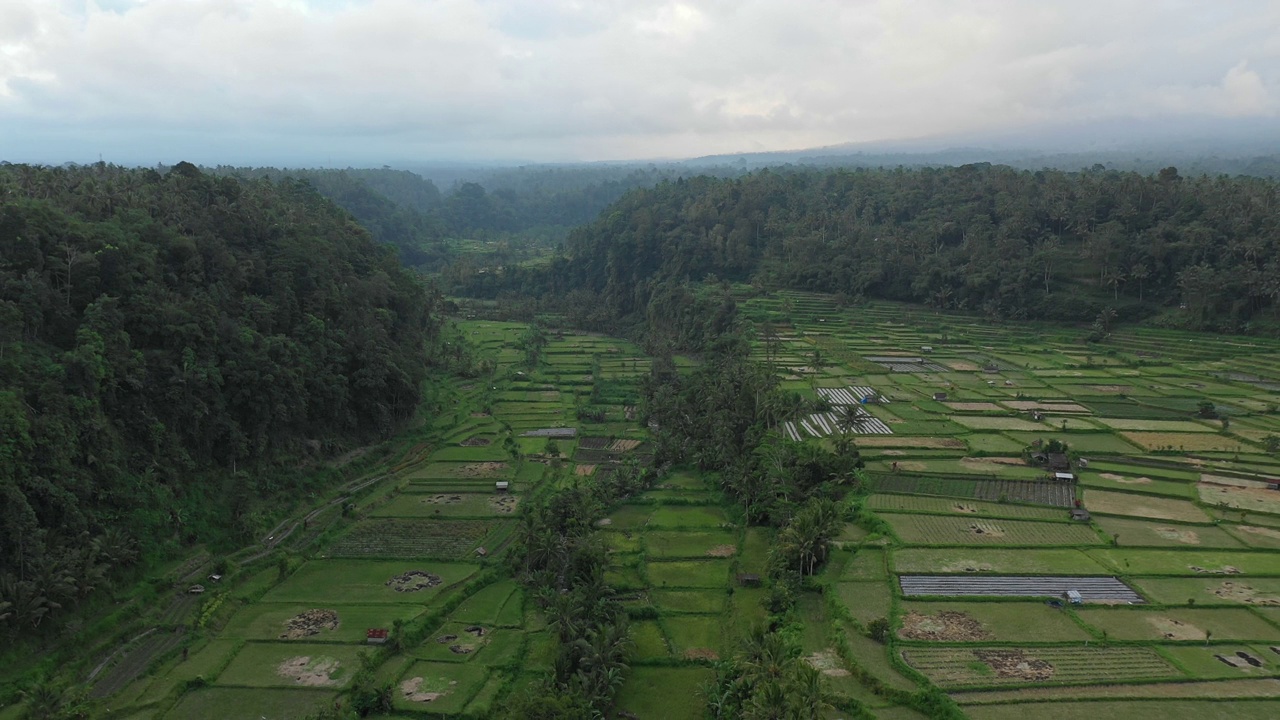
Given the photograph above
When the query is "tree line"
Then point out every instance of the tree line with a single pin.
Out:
(170, 345)
(1198, 253)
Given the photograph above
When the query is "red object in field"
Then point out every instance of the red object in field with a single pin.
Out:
(1077, 503)
(376, 634)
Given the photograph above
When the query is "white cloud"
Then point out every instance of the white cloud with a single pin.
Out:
(589, 79)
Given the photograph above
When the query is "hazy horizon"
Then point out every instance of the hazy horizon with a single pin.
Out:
(368, 82)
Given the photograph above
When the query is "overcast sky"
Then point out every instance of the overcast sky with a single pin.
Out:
(373, 81)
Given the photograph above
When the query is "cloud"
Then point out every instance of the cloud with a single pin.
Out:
(260, 80)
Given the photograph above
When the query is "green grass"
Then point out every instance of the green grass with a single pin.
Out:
(649, 641)
(321, 582)
(629, 517)
(691, 633)
(258, 664)
(1147, 533)
(1201, 663)
(697, 516)
(867, 563)
(438, 504)
(688, 544)
(1186, 624)
(1178, 562)
(943, 530)
(995, 560)
(1217, 590)
(266, 621)
(664, 693)
(486, 606)
(688, 574)
(993, 444)
(690, 601)
(1007, 621)
(866, 601)
(458, 682)
(1146, 506)
(962, 508)
(222, 703)
(1133, 710)
(1138, 481)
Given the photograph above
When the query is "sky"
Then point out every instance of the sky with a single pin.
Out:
(338, 82)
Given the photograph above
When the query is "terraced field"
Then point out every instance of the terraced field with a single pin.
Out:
(1175, 554)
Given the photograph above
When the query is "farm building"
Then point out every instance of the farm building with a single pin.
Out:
(940, 397)
(375, 636)
(1080, 515)
(501, 486)
(1064, 477)
(748, 580)
(1058, 462)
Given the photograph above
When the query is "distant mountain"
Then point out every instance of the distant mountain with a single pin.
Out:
(1198, 144)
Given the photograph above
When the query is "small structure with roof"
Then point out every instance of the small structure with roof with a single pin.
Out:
(375, 636)
(501, 486)
(1080, 515)
(940, 397)
(1074, 597)
(748, 580)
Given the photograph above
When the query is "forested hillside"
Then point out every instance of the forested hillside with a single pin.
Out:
(1200, 252)
(153, 327)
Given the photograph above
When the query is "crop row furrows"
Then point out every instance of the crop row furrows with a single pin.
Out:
(134, 663)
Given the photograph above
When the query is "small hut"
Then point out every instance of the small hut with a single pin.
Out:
(748, 580)
(375, 636)
(501, 486)
(1080, 515)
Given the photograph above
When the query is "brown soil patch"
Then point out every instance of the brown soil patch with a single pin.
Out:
(894, 452)
(913, 466)
(946, 626)
(1016, 664)
(481, 469)
(722, 551)
(968, 566)
(1244, 498)
(986, 529)
(479, 414)
(303, 671)
(442, 500)
(584, 470)
(411, 689)
(476, 442)
(1171, 629)
(1183, 536)
(1111, 388)
(1126, 480)
(1255, 530)
(1224, 570)
(624, 445)
(503, 504)
(701, 654)
(1241, 592)
(994, 461)
(828, 663)
(311, 622)
(413, 581)
(961, 365)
